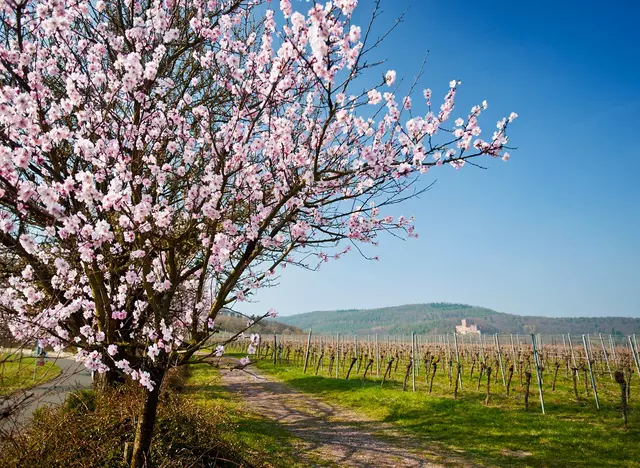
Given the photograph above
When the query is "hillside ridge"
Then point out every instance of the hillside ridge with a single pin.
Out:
(442, 317)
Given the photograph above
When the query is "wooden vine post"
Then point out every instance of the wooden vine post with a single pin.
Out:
(259, 349)
(573, 356)
(488, 394)
(504, 381)
(337, 355)
(589, 344)
(593, 379)
(613, 350)
(458, 373)
(413, 360)
(634, 351)
(306, 354)
(514, 357)
(417, 359)
(275, 349)
(537, 363)
(355, 352)
(377, 357)
(606, 358)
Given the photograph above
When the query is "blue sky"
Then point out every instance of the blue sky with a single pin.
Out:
(556, 230)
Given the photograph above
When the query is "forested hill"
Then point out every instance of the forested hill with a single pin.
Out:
(264, 327)
(436, 318)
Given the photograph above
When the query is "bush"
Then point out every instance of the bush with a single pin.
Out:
(81, 401)
(91, 430)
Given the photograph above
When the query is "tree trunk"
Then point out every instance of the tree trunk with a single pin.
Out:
(526, 390)
(482, 367)
(486, 401)
(406, 375)
(353, 361)
(586, 384)
(509, 377)
(319, 363)
(388, 371)
(146, 422)
(555, 376)
(366, 369)
(619, 376)
(106, 381)
(574, 373)
(458, 374)
(433, 374)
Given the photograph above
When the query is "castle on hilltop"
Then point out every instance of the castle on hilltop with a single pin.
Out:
(467, 328)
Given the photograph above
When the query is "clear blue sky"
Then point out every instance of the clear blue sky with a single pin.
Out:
(556, 230)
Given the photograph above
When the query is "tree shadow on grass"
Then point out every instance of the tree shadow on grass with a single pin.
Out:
(569, 433)
(488, 432)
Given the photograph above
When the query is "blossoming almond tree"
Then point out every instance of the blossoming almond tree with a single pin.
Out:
(160, 159)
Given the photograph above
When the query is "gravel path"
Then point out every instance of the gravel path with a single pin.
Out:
(328, 432)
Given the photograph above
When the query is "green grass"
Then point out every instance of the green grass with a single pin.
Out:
(16, 373)
(570, 434)
(266, 439)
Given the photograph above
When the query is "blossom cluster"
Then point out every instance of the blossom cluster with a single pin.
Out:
(154, 170)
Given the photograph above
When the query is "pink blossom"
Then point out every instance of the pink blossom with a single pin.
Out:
(390, 77)
(374, 96)
(285, 7)
(153, 351)
(354, 33)
(145, 380)
(28, 244)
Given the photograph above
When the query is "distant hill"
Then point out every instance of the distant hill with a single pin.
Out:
(264, 327)
(440, 318)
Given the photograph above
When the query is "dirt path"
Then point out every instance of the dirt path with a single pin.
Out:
(328, 432)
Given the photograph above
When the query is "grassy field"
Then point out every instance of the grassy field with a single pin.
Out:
(265, 439)
(500, 434)
(17, 373)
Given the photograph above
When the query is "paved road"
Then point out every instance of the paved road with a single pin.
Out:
(74, 376)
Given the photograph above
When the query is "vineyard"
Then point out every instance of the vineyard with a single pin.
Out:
(535, 372)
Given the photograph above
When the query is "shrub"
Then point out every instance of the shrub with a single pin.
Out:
(81, 400)
(91, 430)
